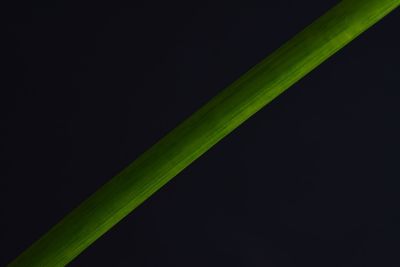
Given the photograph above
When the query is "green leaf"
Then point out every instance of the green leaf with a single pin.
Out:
(226, 111)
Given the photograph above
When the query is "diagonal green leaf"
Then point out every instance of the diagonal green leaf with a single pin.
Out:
(202, 130)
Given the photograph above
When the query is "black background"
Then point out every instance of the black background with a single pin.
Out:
(311, 180)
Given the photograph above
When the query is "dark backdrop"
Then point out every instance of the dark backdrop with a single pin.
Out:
(311, 180)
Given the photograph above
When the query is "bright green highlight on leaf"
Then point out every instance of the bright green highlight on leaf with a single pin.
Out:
(202, 130)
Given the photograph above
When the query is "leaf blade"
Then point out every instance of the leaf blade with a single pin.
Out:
(202, 130)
